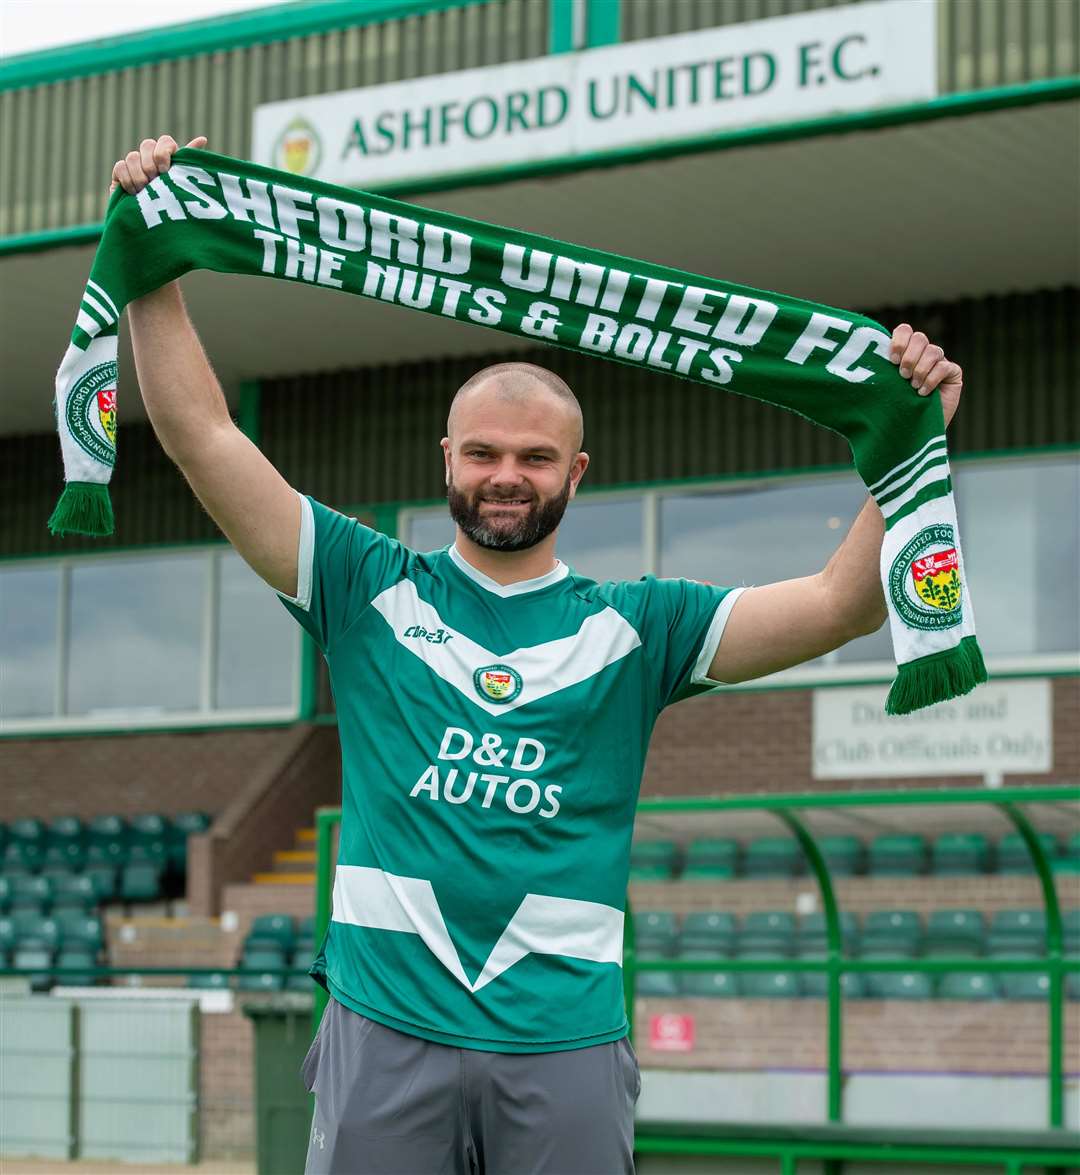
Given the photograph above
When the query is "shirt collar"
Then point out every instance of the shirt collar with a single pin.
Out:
(522, 587)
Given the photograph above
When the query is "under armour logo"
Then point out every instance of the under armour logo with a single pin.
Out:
(318, 1136)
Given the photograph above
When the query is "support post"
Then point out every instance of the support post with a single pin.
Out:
(1054, 945)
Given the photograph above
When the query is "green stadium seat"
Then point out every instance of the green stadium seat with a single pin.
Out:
(5, 894)
(113, 855)
(716, 858)
(889, 926)
(7, 934)
(813, 928)
(36, 960)
(897, 855)
(815, 984)
(180, 827)
(772, 856)
(79, 931)
(707, 930)
(305, 949)
(844, 855)
(3, 835)
(968, 985)
(73, 892)
(954, 932)
(212, 980)
(1070, 921)
(898, 985)
(29, 892)
(264, 950)
(300, 983)
(148, 852)
(709, 984)
(22, 857)
(767, 933)
(1072, 985)
(77, 957)
(27, 831)
(1013, 855)
(260, 981)
(33, 929)
(1021, 923)
(653, 860)
(771, 984)
(63, 859)
(147, 840)
(656, 928)
(271, 930)
(1029, 985)
(1013, 946)
(140, 883)
(104, 880)
(656, 983)
(958, 853)
(307, 928)
(64, 843)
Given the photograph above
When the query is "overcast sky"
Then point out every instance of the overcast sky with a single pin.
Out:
(29, 25)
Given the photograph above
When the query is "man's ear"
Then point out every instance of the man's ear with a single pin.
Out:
(445, 443)
(577, 471)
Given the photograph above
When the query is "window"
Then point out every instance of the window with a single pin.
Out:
(255, 664)
(1019, 522)
(162, 638)
(29, 609)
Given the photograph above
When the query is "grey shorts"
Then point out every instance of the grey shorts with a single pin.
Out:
(387, 1103)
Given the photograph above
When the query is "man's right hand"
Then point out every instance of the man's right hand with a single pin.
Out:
(154, 156)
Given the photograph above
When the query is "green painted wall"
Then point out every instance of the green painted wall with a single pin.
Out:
(372, 435)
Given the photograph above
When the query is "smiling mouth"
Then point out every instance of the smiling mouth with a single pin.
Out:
(506, 501)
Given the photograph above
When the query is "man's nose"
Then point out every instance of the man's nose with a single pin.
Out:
(508, 472)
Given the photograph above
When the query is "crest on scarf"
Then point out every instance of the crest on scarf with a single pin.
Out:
(299, 148)
(91, 412)
(924, 580)
(498, 683)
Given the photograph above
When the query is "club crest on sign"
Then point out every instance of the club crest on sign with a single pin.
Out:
(91, 412)
(298, 148)
(497, 683)
(924, 580)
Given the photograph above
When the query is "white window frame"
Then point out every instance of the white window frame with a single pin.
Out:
(135, 718)
(801, 677)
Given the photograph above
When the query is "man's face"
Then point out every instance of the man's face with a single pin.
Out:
(511, 467)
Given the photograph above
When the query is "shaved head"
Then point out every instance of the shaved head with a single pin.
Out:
(517, 383)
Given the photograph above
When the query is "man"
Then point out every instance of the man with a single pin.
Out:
(494, 714)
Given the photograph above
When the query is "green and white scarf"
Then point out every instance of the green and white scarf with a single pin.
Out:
(213, 212)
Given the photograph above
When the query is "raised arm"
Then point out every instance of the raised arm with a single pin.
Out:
(779, 625)
(255, 507)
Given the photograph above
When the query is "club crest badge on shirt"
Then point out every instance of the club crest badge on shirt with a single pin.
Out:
(497, 683)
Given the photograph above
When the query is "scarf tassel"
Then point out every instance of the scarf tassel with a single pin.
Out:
(937, 678)
(84, 508)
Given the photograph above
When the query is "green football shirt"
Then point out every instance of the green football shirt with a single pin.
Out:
(493, 740)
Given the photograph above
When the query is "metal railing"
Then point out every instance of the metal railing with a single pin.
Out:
(789, 810)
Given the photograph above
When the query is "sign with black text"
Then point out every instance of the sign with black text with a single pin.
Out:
(855, 57)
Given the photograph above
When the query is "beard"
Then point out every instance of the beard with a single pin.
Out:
(507, 532)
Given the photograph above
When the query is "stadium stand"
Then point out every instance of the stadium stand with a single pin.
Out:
(883, 934)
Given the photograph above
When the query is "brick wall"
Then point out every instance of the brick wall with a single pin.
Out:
(859, 895)
(226, 1085)
(885, 1036)
(130, 773)
(759, 741)
(277, 797)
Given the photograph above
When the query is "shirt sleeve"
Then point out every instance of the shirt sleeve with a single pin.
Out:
(342, 566)
(694, 616)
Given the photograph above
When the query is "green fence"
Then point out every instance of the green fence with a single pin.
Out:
(835, 1141)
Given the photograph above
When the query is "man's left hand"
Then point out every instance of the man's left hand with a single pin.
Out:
(927, 368)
